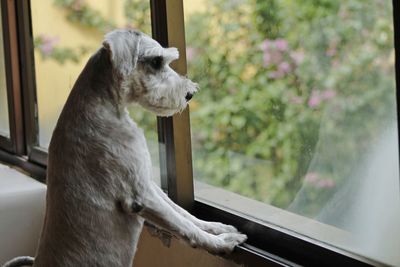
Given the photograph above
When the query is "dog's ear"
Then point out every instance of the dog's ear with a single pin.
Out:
(123, 49)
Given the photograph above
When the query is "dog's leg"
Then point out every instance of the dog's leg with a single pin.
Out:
(155, 209)
(210, 227)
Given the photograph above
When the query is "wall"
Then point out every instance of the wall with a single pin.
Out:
(153, 253)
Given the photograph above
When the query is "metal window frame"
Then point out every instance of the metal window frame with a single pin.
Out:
(35, 153)
(15, 143)
(174, 132)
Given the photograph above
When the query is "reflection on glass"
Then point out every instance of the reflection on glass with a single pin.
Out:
(4, 126)
(66, 34)
(297, 110)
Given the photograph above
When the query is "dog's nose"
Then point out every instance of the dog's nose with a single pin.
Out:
(188, 96)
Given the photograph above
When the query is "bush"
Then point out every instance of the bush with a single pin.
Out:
(293, 93)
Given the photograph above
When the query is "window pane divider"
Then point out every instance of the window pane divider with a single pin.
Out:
(174, 132)
(28, 83)
(15, 142)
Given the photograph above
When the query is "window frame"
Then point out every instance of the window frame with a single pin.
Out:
(268, 245)
(35, 153)
(14, 143)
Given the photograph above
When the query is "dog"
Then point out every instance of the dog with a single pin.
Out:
(99, 181)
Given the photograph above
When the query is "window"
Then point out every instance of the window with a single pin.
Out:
(293, 133)
(296, 117)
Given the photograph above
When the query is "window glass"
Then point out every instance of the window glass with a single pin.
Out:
(296, 116)
(66, 34)
(4, 124)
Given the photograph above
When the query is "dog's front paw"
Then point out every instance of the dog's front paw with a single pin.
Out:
(217, 228)
(228, 241)
(223, 243)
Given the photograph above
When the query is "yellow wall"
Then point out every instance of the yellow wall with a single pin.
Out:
(54, 80)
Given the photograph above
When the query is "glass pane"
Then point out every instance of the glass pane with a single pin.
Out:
(66, 34)
(297, 116)
(4, 124)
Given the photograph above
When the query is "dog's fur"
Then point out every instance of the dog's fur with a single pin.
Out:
(99, 185)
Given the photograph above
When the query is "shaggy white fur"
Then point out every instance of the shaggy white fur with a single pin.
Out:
(100, 189)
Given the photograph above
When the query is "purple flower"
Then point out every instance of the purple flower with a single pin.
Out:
(326, 183)
(267, 59)
(191, 53)
(276, 74)
(47, 44)
(315, 99)
(276, 57)
(265, 45)
(281, 45)
(284, 67)
(328, 94)
(316, 180)
(311, 177)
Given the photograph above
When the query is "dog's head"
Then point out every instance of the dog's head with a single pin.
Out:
(146, 75)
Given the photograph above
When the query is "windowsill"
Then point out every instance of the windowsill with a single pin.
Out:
(280, 220)
(22, 208)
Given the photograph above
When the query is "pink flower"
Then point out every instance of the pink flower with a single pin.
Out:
(191, 53)
(326, 183)
(315, 99)
(47, 44)
(267, 59)
(265, 45)
(328, 94)
(311, 177)
(276, 57)
(276, 74)
(284, 67)
(316, 180)
(281, 44)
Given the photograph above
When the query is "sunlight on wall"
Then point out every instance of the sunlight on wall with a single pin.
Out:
(54, 80)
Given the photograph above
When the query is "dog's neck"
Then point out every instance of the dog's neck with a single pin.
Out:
(106, 83)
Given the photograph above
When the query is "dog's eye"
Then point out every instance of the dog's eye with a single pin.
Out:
(156, 62)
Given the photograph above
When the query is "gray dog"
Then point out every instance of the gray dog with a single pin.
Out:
(99, 186)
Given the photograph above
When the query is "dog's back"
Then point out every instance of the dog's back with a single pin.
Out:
(84, 224)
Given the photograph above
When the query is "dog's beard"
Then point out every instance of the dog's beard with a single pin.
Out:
(162, 110)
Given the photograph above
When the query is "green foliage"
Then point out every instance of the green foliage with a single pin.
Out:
(282, 82)
(267, 18)
(47, 49)
(78, 11)
(137, 12)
